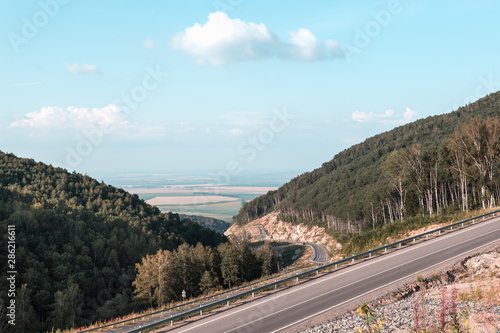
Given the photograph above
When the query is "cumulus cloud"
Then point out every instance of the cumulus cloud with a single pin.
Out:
(222, 40)
(77, 69)
(71, 117)
(149, 43)
(388, 116)
(409, 115)
(361, 117)
(304, 46)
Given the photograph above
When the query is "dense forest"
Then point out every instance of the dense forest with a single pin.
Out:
(208, 222)
(77, 243)
(196, 270)
(439, 164)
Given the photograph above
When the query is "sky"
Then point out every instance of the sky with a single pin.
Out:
(227, 87)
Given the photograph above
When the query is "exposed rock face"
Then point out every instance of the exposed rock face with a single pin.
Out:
(277, 229)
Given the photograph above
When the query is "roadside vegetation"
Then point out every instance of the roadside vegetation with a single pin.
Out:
(87, 251)
(435, 170)
(436, 166)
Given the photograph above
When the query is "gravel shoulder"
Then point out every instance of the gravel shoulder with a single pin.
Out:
(476, 279)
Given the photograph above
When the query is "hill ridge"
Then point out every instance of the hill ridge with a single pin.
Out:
(338, 194)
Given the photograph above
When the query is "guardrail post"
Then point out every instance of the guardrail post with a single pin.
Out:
(439, 232)
(414, 240)
(352, 259)
(385, 248)
(399, 245)
(317, 271)
(297, 279)
(473, 220)
(335, 265)
(253, 293)
(462, 224)
(370, 254)
(451, 228)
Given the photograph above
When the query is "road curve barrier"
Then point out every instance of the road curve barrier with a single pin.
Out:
(273, 285)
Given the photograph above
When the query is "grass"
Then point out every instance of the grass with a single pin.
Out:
(352, 244)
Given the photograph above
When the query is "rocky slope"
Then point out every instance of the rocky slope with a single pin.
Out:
(477, 283)
(276, 229)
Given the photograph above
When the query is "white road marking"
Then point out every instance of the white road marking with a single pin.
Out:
(347, 285)
(368, 292)
(345, 272)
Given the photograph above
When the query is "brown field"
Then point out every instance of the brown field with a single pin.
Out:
(189, 200)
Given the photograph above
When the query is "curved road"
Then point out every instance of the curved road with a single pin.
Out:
(319, 255)
(284, 310)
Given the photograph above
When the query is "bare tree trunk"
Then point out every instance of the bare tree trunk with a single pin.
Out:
(389, 208)
(383, 211)
(374, 217)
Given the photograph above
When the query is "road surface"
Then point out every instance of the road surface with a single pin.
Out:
(319, 253)
(282, 311)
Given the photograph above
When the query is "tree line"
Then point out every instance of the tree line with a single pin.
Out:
(461, 173)
(436, 165)
(162, 277)
(77, 243)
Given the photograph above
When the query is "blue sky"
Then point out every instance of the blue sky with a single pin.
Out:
(231, 86)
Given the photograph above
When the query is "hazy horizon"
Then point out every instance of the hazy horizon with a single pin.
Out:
(245, 87)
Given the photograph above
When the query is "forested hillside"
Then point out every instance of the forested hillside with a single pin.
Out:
(439, 164)
(77, 242)
(208, 222)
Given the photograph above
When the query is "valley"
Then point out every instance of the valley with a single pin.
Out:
(146, 239)
(197, 194)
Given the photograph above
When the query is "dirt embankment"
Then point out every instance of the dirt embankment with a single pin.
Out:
(280, 230)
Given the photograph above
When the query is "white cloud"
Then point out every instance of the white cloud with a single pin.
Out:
(71, 117)
(77, 69)
(362, 116)
(149, 43)
(409, 115)
(145, 131)
(388, 116)
(304, 46)
(184, 127)
(236, 132)
(222, 40)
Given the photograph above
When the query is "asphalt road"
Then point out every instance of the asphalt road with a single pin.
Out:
(319, 255)
(285, 309)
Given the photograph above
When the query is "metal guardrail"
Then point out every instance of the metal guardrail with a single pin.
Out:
(117, 323)
(297, 276)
